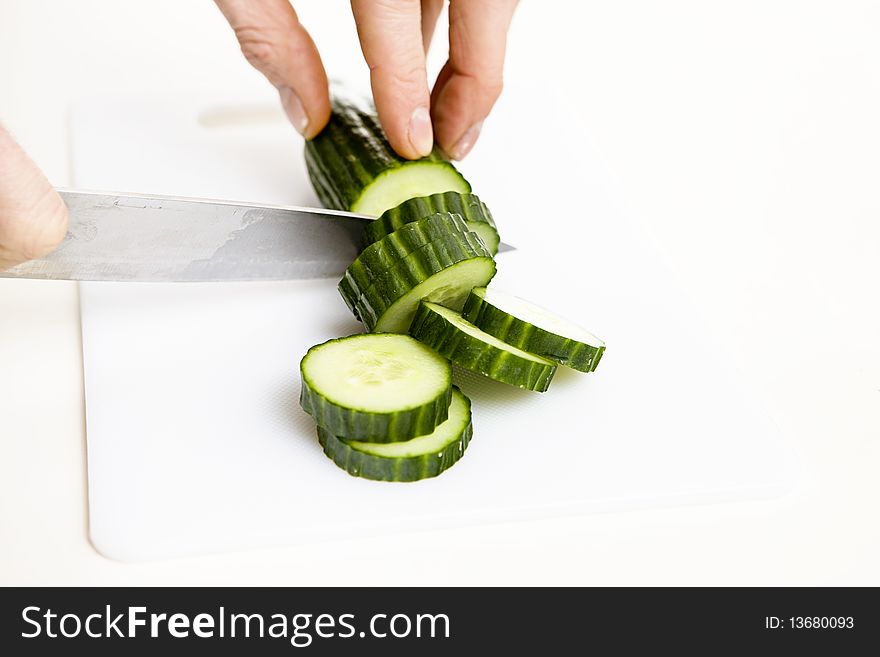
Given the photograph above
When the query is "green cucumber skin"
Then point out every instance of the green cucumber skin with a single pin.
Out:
(469, 352)
(468, 206)
(373, 427)
(379, 291)
(420, 266)
(350, 153)
(379, 257)
(528, 337)
(379, 468)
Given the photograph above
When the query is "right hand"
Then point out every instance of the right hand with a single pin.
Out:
(394, 36)
(33, 218)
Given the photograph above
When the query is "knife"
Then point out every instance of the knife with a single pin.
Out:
(141, 237)
(147, 238)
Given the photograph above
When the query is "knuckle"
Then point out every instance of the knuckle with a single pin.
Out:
(493, 87)
(261, 52)
(411, 79)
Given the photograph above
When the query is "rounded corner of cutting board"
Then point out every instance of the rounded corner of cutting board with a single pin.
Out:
(110, 546)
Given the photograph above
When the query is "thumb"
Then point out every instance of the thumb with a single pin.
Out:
(275, 43)
(33, 218)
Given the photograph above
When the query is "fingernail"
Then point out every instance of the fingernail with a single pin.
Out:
(294, 109)
(421, 134)
(466, 142)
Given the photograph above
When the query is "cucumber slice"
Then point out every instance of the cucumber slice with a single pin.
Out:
(381, 256)
(353, 167)
(444, 271)
(376, 387)
(469, 206)
(447, 287)
(528, 326)
(380, 288)
(463, 343)
(410, 460)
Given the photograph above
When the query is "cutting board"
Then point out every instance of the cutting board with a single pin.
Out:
(196, 442)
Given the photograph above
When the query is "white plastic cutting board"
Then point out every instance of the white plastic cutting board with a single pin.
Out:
(197, 443)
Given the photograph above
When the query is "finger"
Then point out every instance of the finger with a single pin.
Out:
(33, 218)
(391, 40)
(471, 81)
(430, 13)
(276, 44)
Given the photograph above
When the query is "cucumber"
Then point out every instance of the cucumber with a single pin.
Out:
(353, 167)
(379, 257)
(410, 460)
(381, 287)
(469, 206)
(445, 331)
(525, 325)
(376, 387)
(444, 271)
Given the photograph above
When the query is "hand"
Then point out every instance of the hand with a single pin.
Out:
(33, 218)
(394, 35)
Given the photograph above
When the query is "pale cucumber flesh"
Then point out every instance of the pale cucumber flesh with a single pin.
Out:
(449, 288)
(487, 234)
(376, 373)
(393, 187)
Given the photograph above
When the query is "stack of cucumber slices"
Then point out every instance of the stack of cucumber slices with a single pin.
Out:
(385, 406)
(384, 401)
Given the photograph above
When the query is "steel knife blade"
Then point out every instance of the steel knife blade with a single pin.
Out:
(142, 237)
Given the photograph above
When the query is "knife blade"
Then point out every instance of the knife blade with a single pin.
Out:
(142, 237)
(148, 238)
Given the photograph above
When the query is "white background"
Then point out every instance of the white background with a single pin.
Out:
(745, 140)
